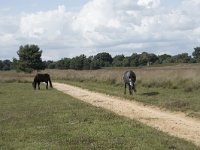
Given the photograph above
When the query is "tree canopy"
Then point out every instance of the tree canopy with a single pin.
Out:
(30, 58)
(196, 54)
(103, 59)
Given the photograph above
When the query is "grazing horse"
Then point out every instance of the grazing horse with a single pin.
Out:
(42, 78)
(129, 79)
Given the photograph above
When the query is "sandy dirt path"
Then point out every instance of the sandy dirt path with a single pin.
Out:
(175, 124)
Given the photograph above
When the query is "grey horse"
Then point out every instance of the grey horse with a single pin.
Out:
(129, 78)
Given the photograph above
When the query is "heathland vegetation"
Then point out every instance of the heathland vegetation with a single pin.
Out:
(176, 87)
(171, 87)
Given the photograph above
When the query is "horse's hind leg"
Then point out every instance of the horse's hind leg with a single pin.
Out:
(125, 88)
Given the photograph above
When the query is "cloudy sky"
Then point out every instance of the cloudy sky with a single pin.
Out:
(68, 28)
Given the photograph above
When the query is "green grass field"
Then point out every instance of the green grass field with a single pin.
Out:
(48, 119)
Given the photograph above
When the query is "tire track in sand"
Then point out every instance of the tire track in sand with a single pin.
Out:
(175, 124)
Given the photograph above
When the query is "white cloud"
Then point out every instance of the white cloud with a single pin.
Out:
(6, 38)
(140, 25)
(149, 3)
(94, 16)
(52, 30)
(104, 24)
(45, 25)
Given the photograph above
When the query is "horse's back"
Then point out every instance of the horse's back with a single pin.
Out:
(47, 75)
(129, 74)
(132, 76)
(125, 76)
(42, 77)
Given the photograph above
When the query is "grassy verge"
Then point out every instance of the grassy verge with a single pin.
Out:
(48, 119)
(171, 99)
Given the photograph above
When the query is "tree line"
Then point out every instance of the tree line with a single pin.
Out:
(30, 59)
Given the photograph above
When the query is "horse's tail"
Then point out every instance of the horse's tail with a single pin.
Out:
(50, 83)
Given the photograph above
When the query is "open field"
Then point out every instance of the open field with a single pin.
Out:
(176, 88)
(171, 87)
(184, 77)
(48, 119)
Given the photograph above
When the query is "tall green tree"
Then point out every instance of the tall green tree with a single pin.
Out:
(1, 65)
(196, 54)
(30, 58)
(7, 65)
(182, 58)
(126, 62)
(94, 64)
(118, 61)
(103, 59)
(14, 65)
(134, 60)
(144, 58)
(63, 63)
(79, 63)
(163, 58)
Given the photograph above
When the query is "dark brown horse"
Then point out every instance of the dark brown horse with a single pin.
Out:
(42, 78)
(129, 78)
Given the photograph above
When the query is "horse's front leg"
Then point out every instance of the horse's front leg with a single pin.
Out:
(47, 85)
(124, 88)
(38, 85)
(130, 90)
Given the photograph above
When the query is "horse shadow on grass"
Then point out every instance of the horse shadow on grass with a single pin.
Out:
(150, 94)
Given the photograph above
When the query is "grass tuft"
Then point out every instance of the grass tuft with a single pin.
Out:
(177, 105)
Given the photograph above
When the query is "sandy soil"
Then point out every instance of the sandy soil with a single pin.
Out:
(175, 124)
